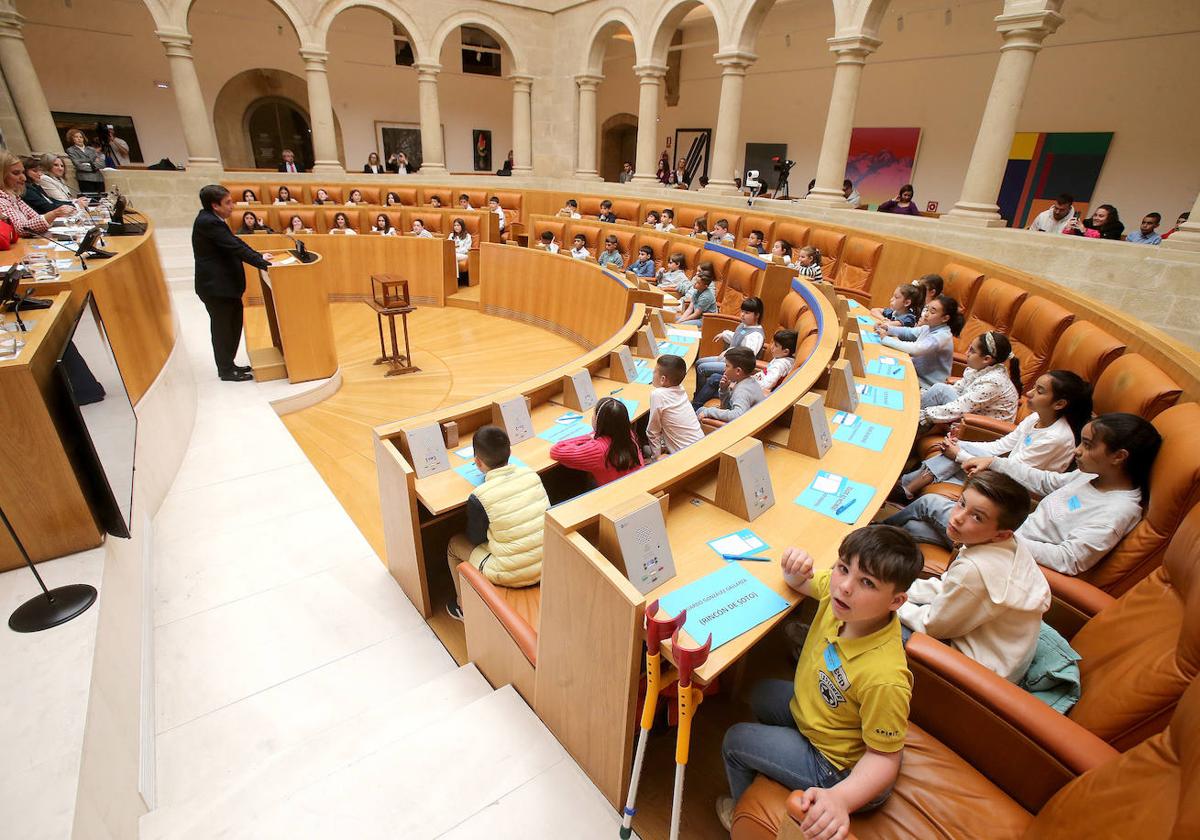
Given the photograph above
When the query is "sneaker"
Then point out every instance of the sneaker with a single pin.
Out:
(454, 610)
(725, 812)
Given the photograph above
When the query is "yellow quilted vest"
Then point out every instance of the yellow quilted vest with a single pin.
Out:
(515, 502)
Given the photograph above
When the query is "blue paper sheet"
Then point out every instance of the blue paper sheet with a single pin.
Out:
(893, 371)
(645, 372)
(852, 303)
(681, 338)
(566, 431)
(726, 604)
(866, 321)
(744, 542)
(860, 432)
(871, 337)
(472, 474)
(883, 397)
(671, 348)
(630, 405)
(837, 497)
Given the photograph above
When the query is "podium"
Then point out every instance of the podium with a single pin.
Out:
(301, 327)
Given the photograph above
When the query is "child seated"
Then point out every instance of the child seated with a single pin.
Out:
(1060, 403)
(704, 299)
(988, 386)
(418, 230)
(673, 276)
(932, 285)
(700, 229)
(808, 264)
(504, 520)
(610, 257)
(570, 210)
(606, 212)
(781, 251)
(607, 453)
(931, 342)
(547, 242)
(497, 210)
(464, 202)
(749, 334)
(739, 390)
(720, 235)
(579, 249)
(754, 242)
(643, 266)
(989, 603)
(668, 221)
(783, 357)
(904, 307)
(652, 220)
(1087, 511)
(836, 731)
(672, 422)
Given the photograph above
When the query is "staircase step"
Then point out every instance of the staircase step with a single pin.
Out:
(226, 812)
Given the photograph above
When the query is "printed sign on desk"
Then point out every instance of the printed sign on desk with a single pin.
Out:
(837, 497)
(642, 539)
(514, 416)
(427, 449)
(887, 366)
(585, 391)
(726, 604)
(853, 429)
(871, 337)
(627, 363)
(883, 397)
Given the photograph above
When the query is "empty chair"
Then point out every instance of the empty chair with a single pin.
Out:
(995, 308)
(857, 272)
(961, 283)
(1134, 384)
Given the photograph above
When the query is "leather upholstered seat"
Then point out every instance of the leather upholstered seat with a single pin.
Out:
(961, 282)
(995, 308)
(830, 243)
(857, 273)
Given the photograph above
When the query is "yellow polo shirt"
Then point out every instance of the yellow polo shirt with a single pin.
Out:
(851, 694)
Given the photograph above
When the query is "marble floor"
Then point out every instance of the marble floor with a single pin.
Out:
(298, 693)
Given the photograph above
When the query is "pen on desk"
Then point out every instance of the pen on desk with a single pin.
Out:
(746, 557)
(615, 391)
(845, 507)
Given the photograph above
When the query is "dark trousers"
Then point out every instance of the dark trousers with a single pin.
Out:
(225, 322)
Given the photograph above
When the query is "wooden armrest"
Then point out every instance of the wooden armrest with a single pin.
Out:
(1018, 742)
(519, 629)
(711, 325)
(857, 294)
(1075, 602)
(473, 267)
(956, 370)
(979, 428)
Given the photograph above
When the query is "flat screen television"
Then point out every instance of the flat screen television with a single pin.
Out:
(99, 424)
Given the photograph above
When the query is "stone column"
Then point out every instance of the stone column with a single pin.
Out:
(1023, 35)
(1187, 238)
(729, 118)
(851, 52)
(522, 124)
(433, 152)
(28, 97)
(650, 78)
(585, 167)
(193, 114)
(320, 113)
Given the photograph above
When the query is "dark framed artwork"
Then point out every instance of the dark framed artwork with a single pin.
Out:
(694, 145)
(89, 124)
(481, 143)
(399, 137)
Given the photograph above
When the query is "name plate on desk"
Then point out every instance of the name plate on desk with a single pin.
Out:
(640, 532)
(621, 366)
(809, 433)
(743, 482)
(647, 343)
(579, 392)
(427, 450)
(513, 415)
(657, 325)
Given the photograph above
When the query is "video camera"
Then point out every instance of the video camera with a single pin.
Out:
(782, 165)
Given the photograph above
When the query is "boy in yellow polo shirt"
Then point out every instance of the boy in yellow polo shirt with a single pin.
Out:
(838, 730)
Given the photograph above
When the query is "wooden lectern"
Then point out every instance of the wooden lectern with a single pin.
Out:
(297, 306)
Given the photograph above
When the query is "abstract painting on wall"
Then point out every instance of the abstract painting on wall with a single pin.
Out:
(1043, 165)
(881, 160)
(481, 142)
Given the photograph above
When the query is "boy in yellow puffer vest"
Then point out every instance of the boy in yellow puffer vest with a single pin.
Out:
(505, 516)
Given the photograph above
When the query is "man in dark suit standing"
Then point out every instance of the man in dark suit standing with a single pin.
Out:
(289, 162)
(220, 279)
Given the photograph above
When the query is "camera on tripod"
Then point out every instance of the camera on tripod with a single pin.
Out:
(782, 166)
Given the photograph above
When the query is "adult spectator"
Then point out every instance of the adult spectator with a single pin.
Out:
(1105, 223)
(1183, 217)
(679, 176)
(1145, 234)
(24, 218)
(54, 179)
(35, 196)
(663, 173)
(289, 162)
(399, 164)
(903, 203)
(626, 173)
(1055, 217)
(506, 169)
(811, 184)
(373, 166)
(116, 150)
(220, 278)
(88, 163)
(851, 193)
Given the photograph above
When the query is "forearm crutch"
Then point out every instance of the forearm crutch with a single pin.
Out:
(689, 697)
(658, 630)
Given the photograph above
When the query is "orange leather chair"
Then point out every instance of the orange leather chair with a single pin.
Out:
(270, 191)
(961, 282)
(407, 195)
(281, 217)
(589, 207)
(435, 221)
(830, 243)
(742, 281)
(238, 188)
(509, 653)
(395, 218)
(593, 232)
(556, 226)
(370, 194)
(263, 214)
(981, 758)
(336, 194)
(857, 273)
(625, 243)
(1150, 791)
(795, 234)
(443, 194)
(1035, 331)
(751, 222)
(353, 219)
(1134, 384)
(686, 216)
(995, 308)
(660, 244)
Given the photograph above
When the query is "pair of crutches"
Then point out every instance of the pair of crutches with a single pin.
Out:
(658, 629)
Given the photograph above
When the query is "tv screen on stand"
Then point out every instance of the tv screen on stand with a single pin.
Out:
(100, 425)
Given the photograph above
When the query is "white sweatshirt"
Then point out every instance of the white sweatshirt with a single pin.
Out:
(776, 370)
(672, 422)
(1075, 525)
(988, 605)
(1051, 448)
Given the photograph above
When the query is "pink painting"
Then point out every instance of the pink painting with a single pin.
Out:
(881, 161)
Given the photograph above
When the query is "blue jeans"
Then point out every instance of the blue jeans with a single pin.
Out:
(942, 469)
(926, 519)
(696, 322)
(709, 387)
(938, 394)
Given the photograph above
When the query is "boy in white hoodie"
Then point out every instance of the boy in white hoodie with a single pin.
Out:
(989, 603)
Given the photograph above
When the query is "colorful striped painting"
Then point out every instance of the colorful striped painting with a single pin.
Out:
(1043, 165)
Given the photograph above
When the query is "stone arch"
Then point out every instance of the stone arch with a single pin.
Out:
(389, 8)
(611, 157)
(611, 21)
(668, 18)
(859, 17)
(287, 7)
(492, 26)
(239, 94)
(748, 22)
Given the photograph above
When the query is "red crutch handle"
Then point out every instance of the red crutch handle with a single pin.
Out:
(688, 659)
(658, 628)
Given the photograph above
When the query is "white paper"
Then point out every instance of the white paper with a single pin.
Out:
(828, 483)
(887, 360)
(289, 260)
(733, 544)
(843, 418)
(466, 453)
(677, 333)
(428, 450)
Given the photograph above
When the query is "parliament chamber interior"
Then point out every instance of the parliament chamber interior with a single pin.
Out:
(395, 450)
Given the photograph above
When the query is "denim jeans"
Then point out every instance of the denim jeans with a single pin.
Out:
(695, 322)
(709, 387)
(938, 394)
(925, 519)
(942, 468)
(706, 367)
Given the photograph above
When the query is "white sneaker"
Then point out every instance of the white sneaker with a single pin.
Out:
(725, 812)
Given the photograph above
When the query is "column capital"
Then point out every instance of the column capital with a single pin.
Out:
(735, 61)
(314, 59)
(650, 72)
(177, 42)
(853, 49)
(588, 81)
(1027, 30)
(522, 82)
(10, 23)
(427, 70)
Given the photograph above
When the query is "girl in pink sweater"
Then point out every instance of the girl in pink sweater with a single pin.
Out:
(608, 453)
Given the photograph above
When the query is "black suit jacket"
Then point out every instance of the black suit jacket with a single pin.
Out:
(36, 198)
(219, 257)
(283, 168)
